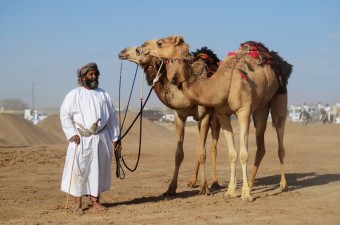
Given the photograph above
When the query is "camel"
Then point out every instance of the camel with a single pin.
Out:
(278, 110)
(173, 98)
(244, 84)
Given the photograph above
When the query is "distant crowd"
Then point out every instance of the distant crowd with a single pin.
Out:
(329, 113)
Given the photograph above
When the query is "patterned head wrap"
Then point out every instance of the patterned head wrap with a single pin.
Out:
(82, 71)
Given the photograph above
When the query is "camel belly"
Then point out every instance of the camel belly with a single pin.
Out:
(255, 91)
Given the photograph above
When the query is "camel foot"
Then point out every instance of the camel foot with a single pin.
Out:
(246, 195)
(192, 184)
(169, 193)
(171, 189)
(215, 185)
(204, 191)
(230, 194)
(247, 198)
(283, 186)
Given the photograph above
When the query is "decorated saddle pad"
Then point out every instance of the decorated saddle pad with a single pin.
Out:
(250, 55)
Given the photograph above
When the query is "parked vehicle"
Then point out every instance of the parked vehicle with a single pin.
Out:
(34, 116)
(168, 118)
(337, 120)
(153, 115)
(294, 113)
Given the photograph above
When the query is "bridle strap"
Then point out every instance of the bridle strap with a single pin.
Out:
(158, 75)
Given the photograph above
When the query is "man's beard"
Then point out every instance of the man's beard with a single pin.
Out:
(93, 84)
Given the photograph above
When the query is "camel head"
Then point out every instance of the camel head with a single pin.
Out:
(129, 53)
(149, 63)
(172, 50)
(167, 48)
(133, 54)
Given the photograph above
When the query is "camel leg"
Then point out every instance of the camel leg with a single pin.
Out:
(260, 117)
(244, 120)
(279, 114)
(228, 132)
(179, 125)
(193, 180)
(205, 124)
(215, 132)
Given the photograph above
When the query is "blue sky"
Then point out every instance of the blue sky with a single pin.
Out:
(44, 42)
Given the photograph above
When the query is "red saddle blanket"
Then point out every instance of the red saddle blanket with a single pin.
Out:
(254, 54)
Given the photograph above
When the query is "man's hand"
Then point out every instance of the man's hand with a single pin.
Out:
(117, 146)
(75, 139)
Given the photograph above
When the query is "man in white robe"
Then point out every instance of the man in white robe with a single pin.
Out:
(87, 170)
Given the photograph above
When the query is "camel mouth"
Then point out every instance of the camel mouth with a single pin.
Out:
(122, 57)
(130, 57)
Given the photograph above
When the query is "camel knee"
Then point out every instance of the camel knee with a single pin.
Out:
(244, 157)
(279, 121)
(232, 157)
(202, 158)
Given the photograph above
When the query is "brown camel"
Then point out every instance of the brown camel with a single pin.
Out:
(152, 65)
(173, 98)
(244, 84)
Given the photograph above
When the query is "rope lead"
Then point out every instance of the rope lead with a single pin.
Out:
(118, 156)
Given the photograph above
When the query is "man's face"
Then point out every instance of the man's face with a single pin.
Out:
(90, 80)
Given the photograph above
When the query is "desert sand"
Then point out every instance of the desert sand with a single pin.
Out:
(32, 160)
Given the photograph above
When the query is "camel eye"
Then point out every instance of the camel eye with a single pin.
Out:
(159, 43)
(138, 51)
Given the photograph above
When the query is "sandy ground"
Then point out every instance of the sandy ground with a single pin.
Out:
(31, 174)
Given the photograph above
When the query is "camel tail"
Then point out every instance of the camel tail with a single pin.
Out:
(285, 69)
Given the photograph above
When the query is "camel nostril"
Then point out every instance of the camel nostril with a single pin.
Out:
(174, 80)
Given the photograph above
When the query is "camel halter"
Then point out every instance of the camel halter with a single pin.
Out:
(118, 156)
(167, 61)
(158, 75)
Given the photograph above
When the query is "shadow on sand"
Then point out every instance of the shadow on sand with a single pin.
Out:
(263, 184)
(181, 195)
(295, 181)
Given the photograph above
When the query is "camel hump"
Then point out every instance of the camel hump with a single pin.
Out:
(257, 51)
(252, 54)
(253, 45)
(211, 60)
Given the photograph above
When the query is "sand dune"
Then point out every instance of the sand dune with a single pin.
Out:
(16, 131)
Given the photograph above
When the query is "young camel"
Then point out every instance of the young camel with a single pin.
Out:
(229, 93)
(173, 98)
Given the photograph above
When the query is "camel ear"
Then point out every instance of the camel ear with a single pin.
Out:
(177, 39)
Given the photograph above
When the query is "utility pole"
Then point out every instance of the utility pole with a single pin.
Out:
(33, 96)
